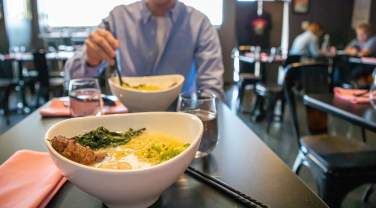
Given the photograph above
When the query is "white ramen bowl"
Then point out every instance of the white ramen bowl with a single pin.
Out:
(140, 101)
(129, 188)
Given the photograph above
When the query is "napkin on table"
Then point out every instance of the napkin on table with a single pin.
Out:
(29, 179)
(58, 107)
(355, 96)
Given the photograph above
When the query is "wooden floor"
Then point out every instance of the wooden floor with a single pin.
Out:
(281, 139)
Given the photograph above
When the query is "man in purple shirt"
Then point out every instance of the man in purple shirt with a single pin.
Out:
(155, 37)
(364, 44)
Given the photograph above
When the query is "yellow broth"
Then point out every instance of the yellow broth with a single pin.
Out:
(143, 87)
(143, 151)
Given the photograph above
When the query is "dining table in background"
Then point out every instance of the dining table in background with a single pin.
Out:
(240, 159)
(370, 61)
(258, 59)
(19, 58)
(362, 115)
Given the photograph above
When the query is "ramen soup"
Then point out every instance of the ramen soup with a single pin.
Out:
(130, 150)
(143, 87)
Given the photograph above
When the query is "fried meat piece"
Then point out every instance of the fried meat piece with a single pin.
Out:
(72, 150)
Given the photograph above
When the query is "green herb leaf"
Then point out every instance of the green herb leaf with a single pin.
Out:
(102, 137)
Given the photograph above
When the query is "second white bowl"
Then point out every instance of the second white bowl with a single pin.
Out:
(140, 101)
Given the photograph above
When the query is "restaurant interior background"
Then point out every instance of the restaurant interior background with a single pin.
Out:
(26, 25)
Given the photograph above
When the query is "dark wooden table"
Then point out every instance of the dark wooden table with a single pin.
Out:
(240, 159)
(371, 61)
(362, 115)
(262, 59)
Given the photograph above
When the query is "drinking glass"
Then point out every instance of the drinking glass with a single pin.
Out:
(202, 104)
(85, 97)
(372, 91)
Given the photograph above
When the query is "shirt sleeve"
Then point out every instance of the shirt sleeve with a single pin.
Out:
(76, 67)
(208, 60)
(314, 47)
(371, 46)
(353, 44)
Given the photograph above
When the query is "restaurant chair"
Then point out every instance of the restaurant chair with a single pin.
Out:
(48, 82)
(338, 164)
(7, 85)
(246, 75)
(271, 93)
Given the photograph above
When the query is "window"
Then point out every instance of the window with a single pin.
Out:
(88, 13)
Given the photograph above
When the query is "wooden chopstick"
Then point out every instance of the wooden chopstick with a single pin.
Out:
(221, 186)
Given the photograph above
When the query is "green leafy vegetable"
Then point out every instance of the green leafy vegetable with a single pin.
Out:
(102, 137)
(162, 152)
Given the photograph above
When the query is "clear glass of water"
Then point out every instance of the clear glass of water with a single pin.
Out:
(85, 97)
(202, 105)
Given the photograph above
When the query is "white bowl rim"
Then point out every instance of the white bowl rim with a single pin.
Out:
(181, 80)
(157, 166)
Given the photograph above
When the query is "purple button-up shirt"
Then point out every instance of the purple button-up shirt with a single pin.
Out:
(191, 49)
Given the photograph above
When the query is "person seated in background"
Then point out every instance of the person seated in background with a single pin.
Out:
(307, 43)
(155, 37)
(364, 44)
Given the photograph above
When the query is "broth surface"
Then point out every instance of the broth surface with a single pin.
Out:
(146, 150)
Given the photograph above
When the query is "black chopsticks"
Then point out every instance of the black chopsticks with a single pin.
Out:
(116, 65)
(221, 186)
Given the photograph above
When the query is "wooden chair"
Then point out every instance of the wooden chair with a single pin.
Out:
(338, 164)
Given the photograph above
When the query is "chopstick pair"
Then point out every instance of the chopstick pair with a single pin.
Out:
(221, 186)
(116, 66)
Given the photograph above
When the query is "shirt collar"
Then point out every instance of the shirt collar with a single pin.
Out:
(146, 14)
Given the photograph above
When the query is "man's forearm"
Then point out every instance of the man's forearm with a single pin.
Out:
(76, 67)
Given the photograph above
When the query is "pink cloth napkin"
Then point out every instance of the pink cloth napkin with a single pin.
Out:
(351, 95)
(58, 107)
(29, 179)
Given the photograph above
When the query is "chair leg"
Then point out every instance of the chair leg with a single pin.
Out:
(6, 104)
(368, 193)
(298, 163)
(283, 103)
(270, 112)
(257, 109)
(242, 86)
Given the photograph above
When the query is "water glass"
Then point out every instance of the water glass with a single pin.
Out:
(202, 105)
(85, 97)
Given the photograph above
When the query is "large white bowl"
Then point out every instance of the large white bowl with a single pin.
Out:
(129, 188)
(140, 101)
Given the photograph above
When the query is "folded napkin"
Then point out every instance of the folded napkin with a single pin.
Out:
(59, 107)
(352, 95)
(29, 179)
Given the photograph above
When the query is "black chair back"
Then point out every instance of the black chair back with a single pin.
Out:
(40, 64)
(6, 69)
(307, 78)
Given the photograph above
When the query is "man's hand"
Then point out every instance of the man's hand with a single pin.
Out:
(352, 51)
(100, 46)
